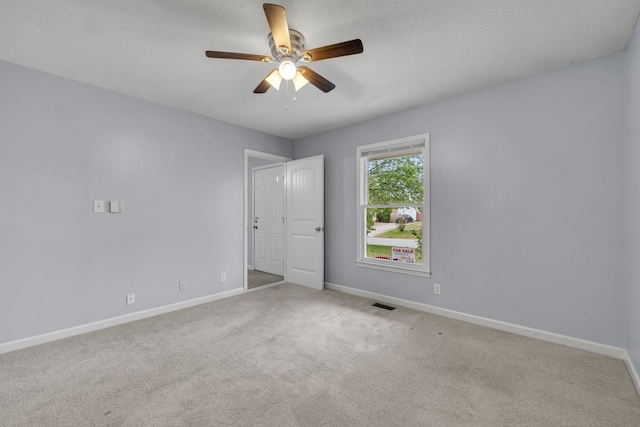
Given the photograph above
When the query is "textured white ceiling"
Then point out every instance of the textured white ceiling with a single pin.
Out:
(415, 51)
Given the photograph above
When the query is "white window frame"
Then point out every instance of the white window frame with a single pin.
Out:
(393, 147)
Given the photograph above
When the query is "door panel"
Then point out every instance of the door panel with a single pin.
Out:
(305, 221)
(269, 220)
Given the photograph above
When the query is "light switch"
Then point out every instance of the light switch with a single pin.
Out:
(98, 206)
(116, 206)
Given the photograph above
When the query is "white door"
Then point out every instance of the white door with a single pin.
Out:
(305, 221)
(268, 221)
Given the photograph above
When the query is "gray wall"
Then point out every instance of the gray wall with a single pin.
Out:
(527, 201)
(633, 201)
(63, 144)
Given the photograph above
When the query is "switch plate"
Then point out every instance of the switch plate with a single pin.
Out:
(436, 289)
(116, 206)
(181, 285)
(223, 277)
(131, 299)
(98, 206)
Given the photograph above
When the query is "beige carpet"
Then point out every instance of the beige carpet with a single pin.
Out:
(291, 356)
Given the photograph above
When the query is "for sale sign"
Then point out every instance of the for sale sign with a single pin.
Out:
(407, 255)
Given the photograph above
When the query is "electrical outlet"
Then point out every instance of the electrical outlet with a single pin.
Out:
(436, 289)
(223, 277)
(181, 285)
(131, 299)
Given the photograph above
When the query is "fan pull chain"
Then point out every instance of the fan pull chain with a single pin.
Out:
(294, 99)
(286, 103)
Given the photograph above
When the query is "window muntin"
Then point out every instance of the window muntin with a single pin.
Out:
(393, 208)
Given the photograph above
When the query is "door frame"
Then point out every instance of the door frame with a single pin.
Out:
(245, 211)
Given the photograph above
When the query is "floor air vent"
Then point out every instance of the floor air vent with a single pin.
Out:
(386, 307)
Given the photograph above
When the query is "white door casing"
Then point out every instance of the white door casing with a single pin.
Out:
(268, 221)
(305, 221)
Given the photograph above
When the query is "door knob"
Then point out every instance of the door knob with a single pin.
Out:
(319, 228)
(255, 226)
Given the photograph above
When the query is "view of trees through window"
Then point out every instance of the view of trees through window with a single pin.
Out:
(395, 197)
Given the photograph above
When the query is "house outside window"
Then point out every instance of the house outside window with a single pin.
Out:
(393, 205)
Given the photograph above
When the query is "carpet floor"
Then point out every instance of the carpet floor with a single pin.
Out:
(292, 356)
(256, 278)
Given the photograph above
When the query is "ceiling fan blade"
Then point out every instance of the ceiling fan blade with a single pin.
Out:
(350, 47)
(273, 79)
(277, 18)
(262, 87)
(316, 79)
(233, 55)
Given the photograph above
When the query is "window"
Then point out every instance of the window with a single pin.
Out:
(393, 205)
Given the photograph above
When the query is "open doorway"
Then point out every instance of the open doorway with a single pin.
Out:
(266, 255)
(263, 219)
(303, 219)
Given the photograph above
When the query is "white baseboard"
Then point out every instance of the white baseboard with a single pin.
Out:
(114, 321)
(581, 344)
(250, 267)
(632, 370)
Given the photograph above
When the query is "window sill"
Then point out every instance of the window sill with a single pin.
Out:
(394, 269)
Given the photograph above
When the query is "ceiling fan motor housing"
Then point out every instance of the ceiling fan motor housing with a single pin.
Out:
(297, 46)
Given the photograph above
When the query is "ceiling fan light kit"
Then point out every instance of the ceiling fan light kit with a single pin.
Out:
(287, 68)
(287, 48)
(274, 79)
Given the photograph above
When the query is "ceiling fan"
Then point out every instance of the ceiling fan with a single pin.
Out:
(287, 48)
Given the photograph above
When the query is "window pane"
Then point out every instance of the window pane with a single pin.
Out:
(395, 180)
(394, 234)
